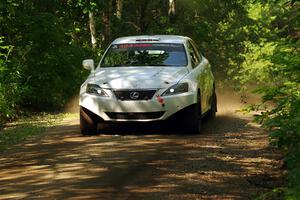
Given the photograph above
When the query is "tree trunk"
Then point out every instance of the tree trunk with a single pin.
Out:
(143, 11)
(171, 10)
(106, 23)
(119, 5)
(92, 29)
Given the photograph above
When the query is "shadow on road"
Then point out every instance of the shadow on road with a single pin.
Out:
(129, 163)
(221, 124)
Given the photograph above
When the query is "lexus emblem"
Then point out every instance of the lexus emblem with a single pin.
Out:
(134, 95)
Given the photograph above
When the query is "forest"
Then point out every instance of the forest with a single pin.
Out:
(250, 43)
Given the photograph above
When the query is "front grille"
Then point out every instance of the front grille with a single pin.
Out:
(134, 95)
(139, 115)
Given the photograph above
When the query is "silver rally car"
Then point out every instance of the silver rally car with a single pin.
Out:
(148, 78)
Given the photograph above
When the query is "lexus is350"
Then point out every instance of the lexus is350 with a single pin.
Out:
(148, 78)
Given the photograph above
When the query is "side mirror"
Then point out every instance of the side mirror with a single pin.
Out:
(88, 64)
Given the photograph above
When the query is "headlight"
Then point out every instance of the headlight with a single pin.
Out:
(96, 90)
(176, 89)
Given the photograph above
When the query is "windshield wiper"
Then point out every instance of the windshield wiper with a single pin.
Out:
(116, 65)
(159, 65)
(164, 65)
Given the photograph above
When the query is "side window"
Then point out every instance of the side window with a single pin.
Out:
(197, 50)
(193, 55)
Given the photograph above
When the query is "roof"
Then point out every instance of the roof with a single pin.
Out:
(151, 38)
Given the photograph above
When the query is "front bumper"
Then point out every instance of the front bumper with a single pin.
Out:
(112, 109)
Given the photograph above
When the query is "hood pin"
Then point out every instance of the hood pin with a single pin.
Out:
(160, 100)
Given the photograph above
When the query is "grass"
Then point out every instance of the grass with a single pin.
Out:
(27, 127)
(275, 194)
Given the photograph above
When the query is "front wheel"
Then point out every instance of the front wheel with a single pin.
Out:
(212, 112)
(192, 119)
(88, 122)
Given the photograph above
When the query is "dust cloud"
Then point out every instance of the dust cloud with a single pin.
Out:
(231, 101)
(73, 105)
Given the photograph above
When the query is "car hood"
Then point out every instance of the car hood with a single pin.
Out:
(138, 77)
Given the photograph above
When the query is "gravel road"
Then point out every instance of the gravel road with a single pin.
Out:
(230, 159)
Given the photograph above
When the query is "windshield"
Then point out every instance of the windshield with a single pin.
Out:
(145, 54)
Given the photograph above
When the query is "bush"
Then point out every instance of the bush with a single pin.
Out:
(8, 84)
(283, 119)
(273, 63)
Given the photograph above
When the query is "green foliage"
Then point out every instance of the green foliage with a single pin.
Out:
(273, 63)
(8, 87)
(283, 118)
(44, 68)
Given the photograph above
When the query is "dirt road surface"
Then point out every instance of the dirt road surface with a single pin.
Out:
(230, 159)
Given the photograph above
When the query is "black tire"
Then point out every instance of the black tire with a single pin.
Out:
(88, 122)
(214, 108)
(192, 119)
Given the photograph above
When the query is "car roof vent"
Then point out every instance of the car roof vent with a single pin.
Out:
(147, 40)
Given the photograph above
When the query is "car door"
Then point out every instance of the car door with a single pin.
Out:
(208, 78)
(198, 66)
